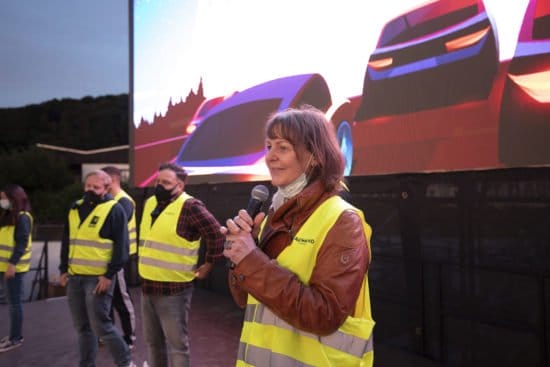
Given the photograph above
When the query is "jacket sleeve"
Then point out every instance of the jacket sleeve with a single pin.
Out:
(127, 206)
(23, 229)
(197, 222)
(237, 292)
(323, 305)
(117, 227)
(64, 250)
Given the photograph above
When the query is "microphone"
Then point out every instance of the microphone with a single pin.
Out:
(258, 196)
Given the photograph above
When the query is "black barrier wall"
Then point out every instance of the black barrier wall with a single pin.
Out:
(460, 271)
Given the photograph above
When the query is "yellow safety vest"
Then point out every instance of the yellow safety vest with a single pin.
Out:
(132, 228)
(267, 340)
(7, 245)
(89, 254)
(164, 255)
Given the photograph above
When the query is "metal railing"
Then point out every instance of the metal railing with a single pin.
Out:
(40, 281)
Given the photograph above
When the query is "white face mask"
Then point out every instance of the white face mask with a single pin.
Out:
(289, 191)
(5, 204)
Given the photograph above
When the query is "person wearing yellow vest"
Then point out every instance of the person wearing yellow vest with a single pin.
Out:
(172, 227)
(15, 256)
(122, 300)
(304, 282)
(94, 247)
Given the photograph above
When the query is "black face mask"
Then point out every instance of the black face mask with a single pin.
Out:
(91, 197)
(163, 194)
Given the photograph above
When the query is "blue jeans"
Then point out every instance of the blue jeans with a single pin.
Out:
(14, 291)
(165, 328)
(90, 313)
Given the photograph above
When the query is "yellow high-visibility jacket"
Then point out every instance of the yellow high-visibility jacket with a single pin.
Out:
(132, 228)
(267, 340)
(164, 255)
(7, 245)
(89, 253)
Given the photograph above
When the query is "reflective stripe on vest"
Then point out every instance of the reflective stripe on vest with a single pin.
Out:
(132, 228)
(267, 340)
(164, 255)
(89, 253)
(257, 356)
(263, 315)
(7, 245)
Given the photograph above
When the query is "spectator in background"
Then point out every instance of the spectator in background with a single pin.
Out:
(122, 301)
(94, 247)
(15, 257)
(172, 227)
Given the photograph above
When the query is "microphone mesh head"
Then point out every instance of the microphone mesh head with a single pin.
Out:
(260, 193)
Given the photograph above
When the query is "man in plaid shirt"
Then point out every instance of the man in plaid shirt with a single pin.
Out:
(173, 225)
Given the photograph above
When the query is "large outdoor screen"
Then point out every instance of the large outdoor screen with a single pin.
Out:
(408, 85)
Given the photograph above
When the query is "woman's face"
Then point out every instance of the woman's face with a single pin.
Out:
(282, 162)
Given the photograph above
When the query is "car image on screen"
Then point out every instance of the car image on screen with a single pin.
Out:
(440, 54)
(229, 143)
(525, 110)
(425, 83)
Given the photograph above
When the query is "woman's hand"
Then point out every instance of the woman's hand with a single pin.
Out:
(239, 241)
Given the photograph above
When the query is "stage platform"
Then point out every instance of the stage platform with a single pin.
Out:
(51, 340)
(215, 324)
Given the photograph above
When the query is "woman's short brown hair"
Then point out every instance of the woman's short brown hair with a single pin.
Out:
(308, 128)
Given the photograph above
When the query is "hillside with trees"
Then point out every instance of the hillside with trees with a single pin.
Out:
(88, 123)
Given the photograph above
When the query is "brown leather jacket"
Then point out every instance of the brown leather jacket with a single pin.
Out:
(323, 305)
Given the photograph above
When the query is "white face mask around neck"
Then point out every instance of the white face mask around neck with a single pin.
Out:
(289, 191)
(5, 204)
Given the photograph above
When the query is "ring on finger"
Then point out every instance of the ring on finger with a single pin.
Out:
(227, 245)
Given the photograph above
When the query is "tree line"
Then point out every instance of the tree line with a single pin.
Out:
(87, 123)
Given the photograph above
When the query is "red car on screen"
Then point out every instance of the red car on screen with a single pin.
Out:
(525, 111)
(428, 63)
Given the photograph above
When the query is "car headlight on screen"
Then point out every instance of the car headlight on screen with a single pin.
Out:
(536, 85)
